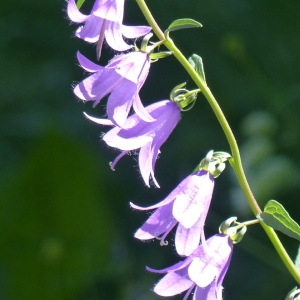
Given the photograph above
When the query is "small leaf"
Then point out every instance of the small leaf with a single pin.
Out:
(196, 62)
(182, 24)
(79, 3)
(277, 217)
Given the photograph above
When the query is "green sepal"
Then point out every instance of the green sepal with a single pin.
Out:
(158, 55)
(293, 294)
(177, 87)
(79, 3)
(275, 216)
(234, 229)
(214, 163)
(204, 163)
(297, 260)
(145, 42)
(216, 172)
(184, 98)
(196, 62)
(221, 156)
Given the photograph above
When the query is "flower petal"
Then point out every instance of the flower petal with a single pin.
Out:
(74, 14)
(187, 240)
(114, 37)
(159, 222)
(145, 162)
(91, 29)
(194, 201)
(96, 86)
(141, 110)
(167, 200)
(120, 101)
(173, 283)
(167, 116)
(227, 253)
(109, 10)
(210, 265)
(99, 121)
(155, 152)
(202, 271)
(208, 293)
(87, 64)
(134, 66)
(132, 32)
(137, 133)
(175, 267)
(113, 139)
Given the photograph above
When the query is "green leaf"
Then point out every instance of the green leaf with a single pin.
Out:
(277, 217)
(182, 24)
(79, 3)
(196, 62)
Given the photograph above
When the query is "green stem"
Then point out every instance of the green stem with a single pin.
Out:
(235, 161)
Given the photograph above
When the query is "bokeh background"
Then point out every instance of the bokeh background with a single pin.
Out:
(66, 229)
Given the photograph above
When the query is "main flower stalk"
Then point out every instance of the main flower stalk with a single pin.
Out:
(235, 161)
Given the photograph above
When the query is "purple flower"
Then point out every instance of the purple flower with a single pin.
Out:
(136, 133)
(123, 77)
(186, 206)
(203, 270)
(105, 20)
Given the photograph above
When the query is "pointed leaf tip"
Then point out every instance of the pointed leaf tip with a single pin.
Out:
(182, 24)
(275, 216)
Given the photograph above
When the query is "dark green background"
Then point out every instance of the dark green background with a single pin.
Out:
(66, 228)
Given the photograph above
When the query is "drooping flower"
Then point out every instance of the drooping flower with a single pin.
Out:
(123, 77)
(105, 21)
(186, 206)
(203, 271)
(148, 136)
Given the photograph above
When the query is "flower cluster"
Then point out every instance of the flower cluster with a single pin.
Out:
(122, 78)
(187, 206)
(146, 129)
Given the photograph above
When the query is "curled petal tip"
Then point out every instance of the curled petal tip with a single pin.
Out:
(98, 121)
(111, 166)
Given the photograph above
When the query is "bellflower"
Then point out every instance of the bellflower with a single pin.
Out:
(148, 136)
(105, 21)
(123, 77)
(186, 206)
(203, 271)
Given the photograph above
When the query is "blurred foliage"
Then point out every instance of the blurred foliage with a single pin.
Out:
(48, 238)
(66, 226)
